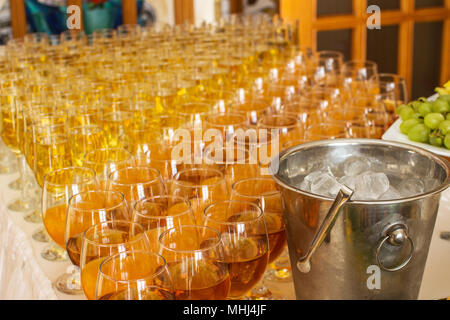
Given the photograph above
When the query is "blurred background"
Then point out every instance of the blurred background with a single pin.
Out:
(414, 39)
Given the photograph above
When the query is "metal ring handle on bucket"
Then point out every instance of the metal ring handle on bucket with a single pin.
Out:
(396, 235)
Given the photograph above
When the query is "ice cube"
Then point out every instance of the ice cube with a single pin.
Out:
(348, 181)
(391, 194)
(305, 186)
(325, 185)
(371, 185)
(313, 176)
(354, 166)
(411, 187)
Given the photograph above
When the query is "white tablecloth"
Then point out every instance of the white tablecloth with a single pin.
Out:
(24, 274)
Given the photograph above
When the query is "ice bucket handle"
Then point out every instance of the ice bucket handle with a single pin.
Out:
(303, 264)
(395, 235)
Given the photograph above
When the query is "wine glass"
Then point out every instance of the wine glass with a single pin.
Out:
(103, 240)
(393, 85)
(201, 186)
(84, 210)
(251, 105)
(160, 213)
(84, 139)
(234, 163)
(134, 275)
(59, 186)
(244, 235)
(106, 161)
(137, 183)
(226, 123)
(263, 192)
(288, 127)
(195, 258)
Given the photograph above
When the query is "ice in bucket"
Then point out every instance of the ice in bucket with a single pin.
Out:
(363, 175)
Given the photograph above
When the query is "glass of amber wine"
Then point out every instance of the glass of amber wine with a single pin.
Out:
(104, 240)
(244, 235)
(196, 261)
(235, 163)
(201, 186)
(136, 183)
(134, 275)
(263, 192)
(106, 161)
(160, 213)
(59, 186)
(84, 210)
(84, 139)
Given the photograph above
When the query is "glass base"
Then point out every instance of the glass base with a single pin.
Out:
(15, 185)
(260, 292)
(41, 235)
(7, 169)
(69, 283)
(279, 275)
(54, 253)
(19, 206)
(33, 217)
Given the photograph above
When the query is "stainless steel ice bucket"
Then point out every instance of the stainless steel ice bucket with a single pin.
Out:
(364, 249)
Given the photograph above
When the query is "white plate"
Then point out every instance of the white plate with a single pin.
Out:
(394, 134)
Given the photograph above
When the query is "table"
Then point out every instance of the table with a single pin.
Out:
(24, 274)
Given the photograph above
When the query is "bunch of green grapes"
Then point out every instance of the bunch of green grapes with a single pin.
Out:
(427, 121)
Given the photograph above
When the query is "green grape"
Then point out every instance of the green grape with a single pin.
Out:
(446, 97)
(416, 105)
(432, 120)
(441, 106)
(400, 108)
(407, 113)
(435, 140)
(447, 141)
(444, 127)
(447, 117)
(419, 133)
(425, 108)
(408, 124)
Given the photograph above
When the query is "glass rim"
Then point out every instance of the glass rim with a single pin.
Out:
(92, 229)
(120, 194)
(57, 171)
(278, 116)
(125, 151)
(144, 156)
(210, 247)
(236, 106)
(329, 52)
(116, 255)
(154, 180)
(357, 61)
(225, 161)
(95, 129)
(268, 194)
(397, 77)
(184, 183)
(137, 211)
(225, 114)
(251, 204)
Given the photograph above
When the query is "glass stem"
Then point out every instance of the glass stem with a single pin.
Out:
(22, 167)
